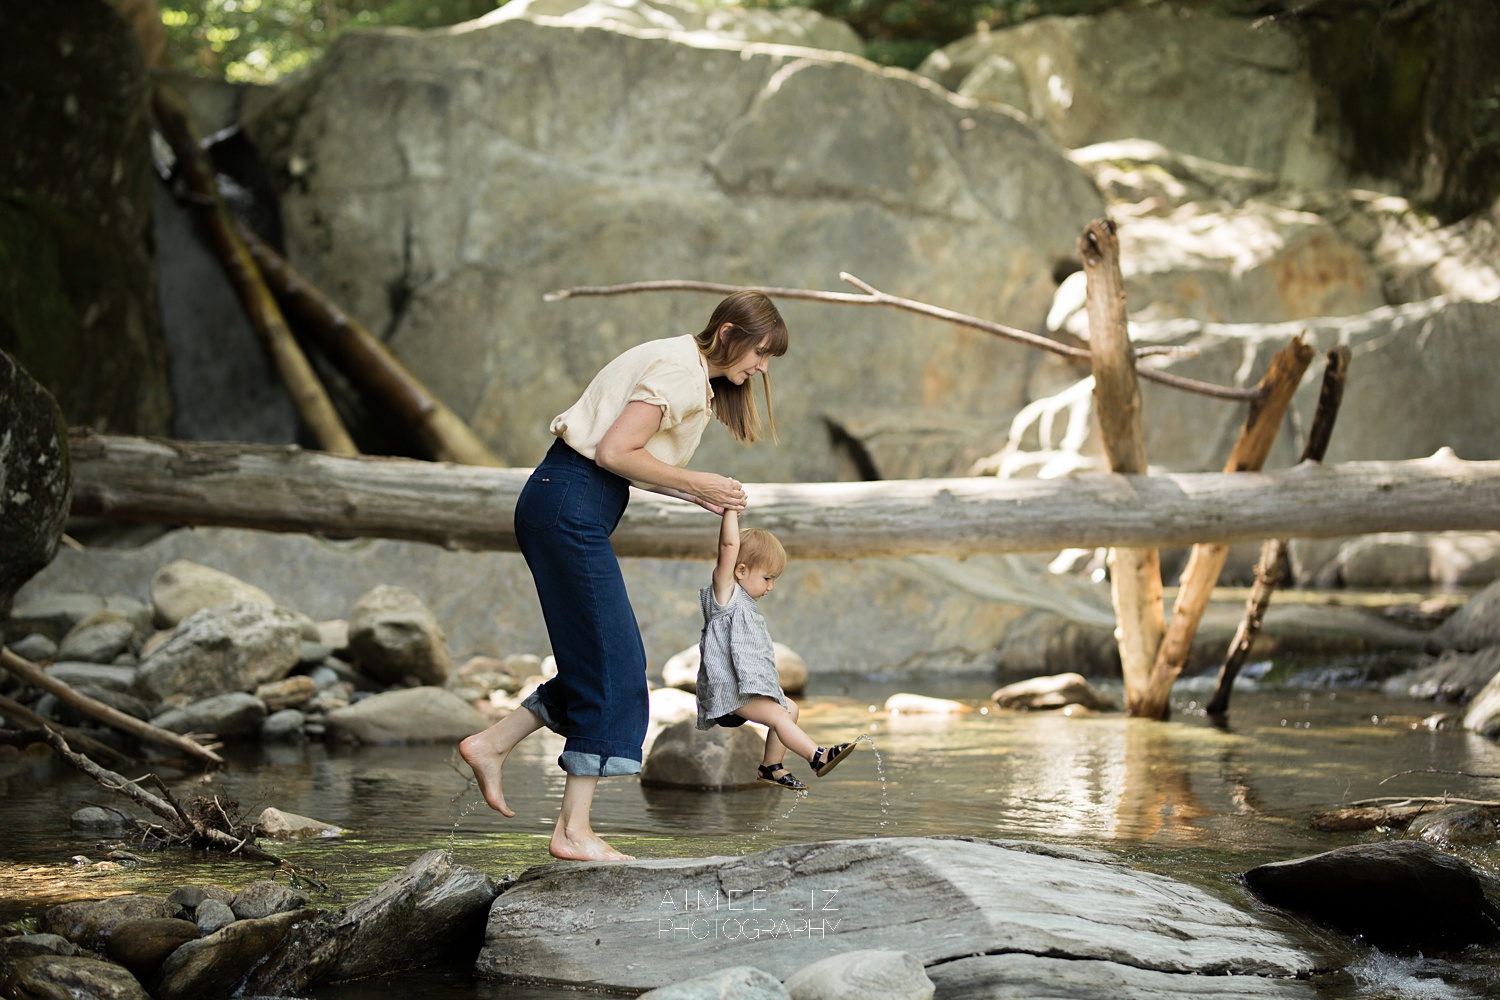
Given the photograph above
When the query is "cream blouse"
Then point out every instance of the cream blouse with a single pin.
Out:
(671, 374)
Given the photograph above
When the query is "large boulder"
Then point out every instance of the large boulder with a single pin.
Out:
(396, 639)
(182, 587)
(221, 650)
(409, 715)
(684, 756)
(217, 964)
(1233, 90)
(583, 155)
(643, 924)
(684, 20)
(35, 478)
(70, 976)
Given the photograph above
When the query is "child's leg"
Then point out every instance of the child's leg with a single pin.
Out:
(785, 734)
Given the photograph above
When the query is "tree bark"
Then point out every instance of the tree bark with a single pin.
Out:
(301, 382)
(1270, 571)
(1135, 573)
(274, 488)
(368, 363)
(1206, 561)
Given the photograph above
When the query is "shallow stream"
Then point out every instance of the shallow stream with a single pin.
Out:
(1185, 798)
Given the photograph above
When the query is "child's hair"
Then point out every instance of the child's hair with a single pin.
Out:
(753, 317)
(759, 549)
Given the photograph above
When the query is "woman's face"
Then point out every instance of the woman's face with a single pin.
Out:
(753, 362)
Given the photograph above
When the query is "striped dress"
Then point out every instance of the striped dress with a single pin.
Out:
(737, 660)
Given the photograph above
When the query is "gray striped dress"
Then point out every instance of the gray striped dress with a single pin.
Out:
(737, 661)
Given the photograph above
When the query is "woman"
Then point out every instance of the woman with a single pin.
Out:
(639, 421)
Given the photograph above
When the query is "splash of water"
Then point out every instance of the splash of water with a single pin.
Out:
(885, 801)
(468, 806)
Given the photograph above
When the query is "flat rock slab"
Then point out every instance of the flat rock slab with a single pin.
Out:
(645, 924)
(1029, 977)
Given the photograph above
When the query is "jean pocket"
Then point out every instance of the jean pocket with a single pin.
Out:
(541, 502)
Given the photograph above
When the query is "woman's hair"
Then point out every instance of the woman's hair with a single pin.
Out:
(752, 317)
(759, 549)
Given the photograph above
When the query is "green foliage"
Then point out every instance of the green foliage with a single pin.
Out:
(255, 41)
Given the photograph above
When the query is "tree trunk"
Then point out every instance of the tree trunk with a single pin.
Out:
(466, 507)
(1135, 573)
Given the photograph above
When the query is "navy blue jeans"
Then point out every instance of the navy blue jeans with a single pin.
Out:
(598, 699)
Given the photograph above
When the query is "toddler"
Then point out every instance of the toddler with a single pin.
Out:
(737, 678)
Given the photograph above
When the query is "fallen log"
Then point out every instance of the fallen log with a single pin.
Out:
(274, 488)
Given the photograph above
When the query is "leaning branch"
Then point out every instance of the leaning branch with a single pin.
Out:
(874, 297)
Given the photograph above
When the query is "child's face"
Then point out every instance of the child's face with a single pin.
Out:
(758, 581)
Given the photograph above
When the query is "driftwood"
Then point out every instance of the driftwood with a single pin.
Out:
(368, 363)
(1367, 814)
(287, 489)
(307, 393)
(1206, 561)
(1271, 569)
(112, 717)
(1135, 573)
(25, 718)
(871, 296)
(208, 826)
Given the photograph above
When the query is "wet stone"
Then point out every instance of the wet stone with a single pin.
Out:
(61, 976)
(264, 898)
(212, 915)
(98, 821)
(1455, 826)
(143, 945)
(27, 945)
(88, 924)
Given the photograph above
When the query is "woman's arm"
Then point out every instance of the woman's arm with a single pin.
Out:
(622, 451)
(729, 557)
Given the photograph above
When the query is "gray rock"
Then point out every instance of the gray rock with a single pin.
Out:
(1455, 826)
(1390, 560)
(741, 983)
(1456, 677)
(100, 675)
(60, 976)
(1027, 977)
(1401, 894)
(1465, 559)
(393, 636)
(98, 821)
(313, 653)
(35, 478)
(143, 945)
(182, 588)
(89, 923)
(217, 964)
(264, 897)
(52, 614)
(1473, 626)
(212, 915)
(27, 945)
(281, 825)
(1054, 691)
(685, 757)
(117, 700)
(1483, 714)
(938, 899)
(857, 975)
(689, 21)
(218, 650)
(285, 725)
(228, 716)
(34, 647)
(412, 715)
(188, 897)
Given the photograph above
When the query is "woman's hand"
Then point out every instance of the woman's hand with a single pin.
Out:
(718, 493)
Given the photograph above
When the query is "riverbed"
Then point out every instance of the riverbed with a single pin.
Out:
(1187, 798)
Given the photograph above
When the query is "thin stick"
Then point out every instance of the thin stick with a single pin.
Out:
(37, 677)
(1438, 770)
(874, 297)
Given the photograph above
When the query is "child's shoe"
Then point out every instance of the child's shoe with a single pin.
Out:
(827, 758)
(768, 774)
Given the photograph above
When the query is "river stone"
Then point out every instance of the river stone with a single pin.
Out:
(791, 669)
(1404, 894)
(35, 477)
(393, 636)
(858, 975)
(99, 821)
(217, 965)
(1054, 691)
(1465, 559)
(1029, 977)
(99, 638)
(232, 716)
(685, 20)
(99, 675)
(1396, 561)
(1455, 826)
(289, 692)
(27, 945)
(181, 588)
(187, 898)
(88, 924)
(681, 669)
(1473, 626)
(212, 915)
(143, 945)
(411, 715)
(905, 703)
(283, 726)
(630, 925)
(1483, 714)
(120, 701)
(49, 976)
(740, 983)
(52, 614)
(34, 647)
(670, 706)
(281, 825)
(264, 897)
(217, 650)
(684, 756)
(1454, 677)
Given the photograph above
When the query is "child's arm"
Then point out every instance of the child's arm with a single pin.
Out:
(729, 556)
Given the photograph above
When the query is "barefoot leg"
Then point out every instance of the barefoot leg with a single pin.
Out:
(573, 839)
(783, 725)
(485, 753)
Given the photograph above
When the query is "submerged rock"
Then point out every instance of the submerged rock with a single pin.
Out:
(281, 825)
(1055, 691)
(642, 924)
(684, 756)
(1404, 895)
(1455, 826)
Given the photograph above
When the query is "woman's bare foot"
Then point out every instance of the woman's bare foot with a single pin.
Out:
(485, 754)
(583, 846)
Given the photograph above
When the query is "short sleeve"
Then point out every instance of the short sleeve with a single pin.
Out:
(678, 391)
